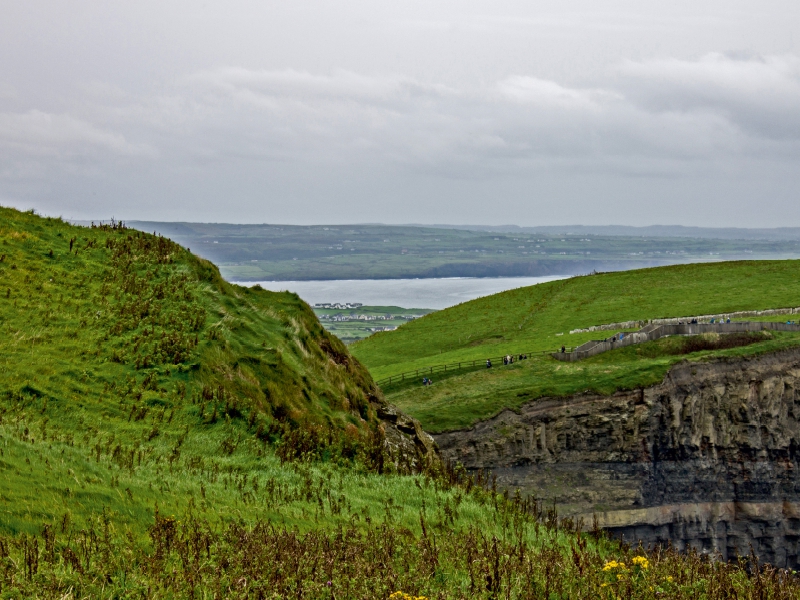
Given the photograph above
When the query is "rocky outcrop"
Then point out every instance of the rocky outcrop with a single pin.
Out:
(406, 443)
(707, 458)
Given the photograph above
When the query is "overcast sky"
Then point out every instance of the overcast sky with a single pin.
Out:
(531, 113)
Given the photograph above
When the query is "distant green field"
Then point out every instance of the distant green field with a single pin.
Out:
(540, 318)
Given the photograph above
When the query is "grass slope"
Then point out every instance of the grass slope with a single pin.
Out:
(121, 349)
(540, 318)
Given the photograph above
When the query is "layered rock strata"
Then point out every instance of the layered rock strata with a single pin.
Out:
(708, 458)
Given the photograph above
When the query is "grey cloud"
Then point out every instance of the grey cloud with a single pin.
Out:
(39, 133)
(518, 117)
(759, 94)
(351, 111)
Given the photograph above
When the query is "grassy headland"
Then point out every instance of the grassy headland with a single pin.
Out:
(540, 318)
(166, 435)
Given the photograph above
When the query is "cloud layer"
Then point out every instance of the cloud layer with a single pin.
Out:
(636, 142)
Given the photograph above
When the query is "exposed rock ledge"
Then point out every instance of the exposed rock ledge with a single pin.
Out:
(404, 439)
(709, 457)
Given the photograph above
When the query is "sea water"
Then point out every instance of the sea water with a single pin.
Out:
(436, 293)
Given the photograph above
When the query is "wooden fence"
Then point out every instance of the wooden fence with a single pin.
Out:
(450, 367)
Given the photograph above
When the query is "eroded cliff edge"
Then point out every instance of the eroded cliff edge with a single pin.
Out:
(708, 457)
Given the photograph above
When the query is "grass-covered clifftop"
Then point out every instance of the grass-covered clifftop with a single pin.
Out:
(166, 435)
(93, 313)
(540, 317)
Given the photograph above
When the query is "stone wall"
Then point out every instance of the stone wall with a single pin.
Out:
(654, 332)
(741, 314)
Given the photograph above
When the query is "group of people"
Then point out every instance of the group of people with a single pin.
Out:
(427, 381)
(507, 359)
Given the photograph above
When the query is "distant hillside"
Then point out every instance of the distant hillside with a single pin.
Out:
(651, 231)
(288, 252)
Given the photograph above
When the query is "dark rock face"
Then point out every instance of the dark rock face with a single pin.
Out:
(708, 458)
(405, 441)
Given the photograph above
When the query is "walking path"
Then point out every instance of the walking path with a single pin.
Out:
(653, 332)
(496, 361)
(593, 347)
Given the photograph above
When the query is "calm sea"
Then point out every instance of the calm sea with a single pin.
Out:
(406, 293)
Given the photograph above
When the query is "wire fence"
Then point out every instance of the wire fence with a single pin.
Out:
(464, 364)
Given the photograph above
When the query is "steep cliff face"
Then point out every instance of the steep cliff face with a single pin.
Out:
(708, 458)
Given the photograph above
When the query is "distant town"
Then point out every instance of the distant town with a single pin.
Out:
(352, 321)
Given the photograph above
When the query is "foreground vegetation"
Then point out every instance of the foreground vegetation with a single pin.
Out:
(527, 558)
(166, 435)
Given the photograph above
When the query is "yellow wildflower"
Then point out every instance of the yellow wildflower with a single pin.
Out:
(613, 564)
(403, 596)
(641, 562)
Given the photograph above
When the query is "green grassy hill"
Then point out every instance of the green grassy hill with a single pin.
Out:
(124, 358)
(166, 435)
(539, 318)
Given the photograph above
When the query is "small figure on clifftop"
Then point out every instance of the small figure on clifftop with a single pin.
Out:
(563, 349)
(488, 364)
